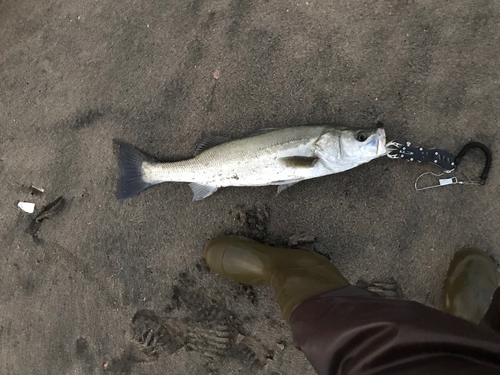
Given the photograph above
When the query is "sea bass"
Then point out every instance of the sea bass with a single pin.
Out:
(280, 157)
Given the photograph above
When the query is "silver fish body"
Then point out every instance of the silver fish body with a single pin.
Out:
(274, 157)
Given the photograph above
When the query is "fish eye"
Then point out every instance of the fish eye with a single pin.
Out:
(361, 136)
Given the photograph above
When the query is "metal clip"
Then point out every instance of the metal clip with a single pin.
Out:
(393, 148)
(441, 158)
(444, 181)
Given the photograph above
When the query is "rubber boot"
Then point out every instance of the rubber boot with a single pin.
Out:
(295, 275)
(469, 287)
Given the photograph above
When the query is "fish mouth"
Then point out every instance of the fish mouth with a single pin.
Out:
(377, 143)
(381, 142)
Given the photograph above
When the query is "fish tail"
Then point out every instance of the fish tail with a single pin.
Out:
(132, 179)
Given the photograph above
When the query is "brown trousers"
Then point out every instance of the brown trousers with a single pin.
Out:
(350, 331)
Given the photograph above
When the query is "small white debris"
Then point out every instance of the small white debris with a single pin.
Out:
(37, 189)
(27, 207)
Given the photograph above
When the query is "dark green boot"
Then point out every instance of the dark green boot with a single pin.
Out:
(469, 287)
(295, 275)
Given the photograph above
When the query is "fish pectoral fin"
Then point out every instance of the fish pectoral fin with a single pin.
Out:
(209, 141)
(298, 161)
(284, 186)
(202, 191)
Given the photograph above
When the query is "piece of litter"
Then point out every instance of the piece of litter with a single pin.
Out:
(105, 365)
(35, 189)
(216, 74)
(27, 207)
(51, 209)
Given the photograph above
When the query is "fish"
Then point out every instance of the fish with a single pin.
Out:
(272, 156)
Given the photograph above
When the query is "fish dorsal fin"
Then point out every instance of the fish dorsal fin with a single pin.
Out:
(253, 133)
(201, 191)
(298, 161)
(209, 141)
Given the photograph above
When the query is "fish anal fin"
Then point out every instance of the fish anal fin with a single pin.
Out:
(298, 161)
(284, 186)
(202, 191)
(209, 141)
